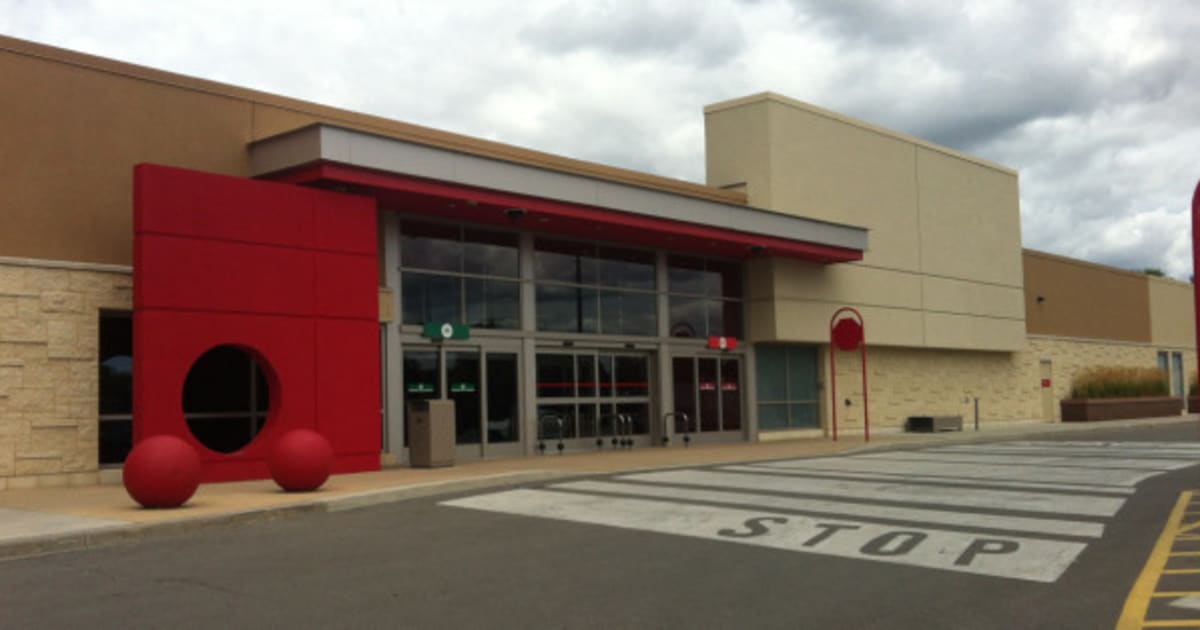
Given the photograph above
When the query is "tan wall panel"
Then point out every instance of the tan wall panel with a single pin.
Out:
(803, 321)
(847, 285)
(946, 295)
(948, 330)
(270, 120)
(1172, 313)
(760, 320)
(1084, 300)
(970, 223)
(737, 151)
(72, 137)
(828, 169)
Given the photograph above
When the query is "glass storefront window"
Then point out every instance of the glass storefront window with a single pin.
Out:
(555, 375)
(492, 304)
(632, 375)
(788, 394)
(564, 261)
(490, 253)
(705, 297)
(116, 387)
(610, 289)
(566, 309)
(430, 246)
(440, 269)
(623, 313)
(599, 385)
(626, 268)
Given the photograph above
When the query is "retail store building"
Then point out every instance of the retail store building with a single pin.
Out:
(299, 262)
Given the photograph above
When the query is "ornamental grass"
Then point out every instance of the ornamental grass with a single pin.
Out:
(1120, 382)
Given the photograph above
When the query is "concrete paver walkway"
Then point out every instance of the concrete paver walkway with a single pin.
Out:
(42, 520)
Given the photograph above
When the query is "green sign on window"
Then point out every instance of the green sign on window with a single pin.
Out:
(420, 388)
(462, 387)
(446, 330)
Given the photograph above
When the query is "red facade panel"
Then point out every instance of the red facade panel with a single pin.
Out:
(289, 275)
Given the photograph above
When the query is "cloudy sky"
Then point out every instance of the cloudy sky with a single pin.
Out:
(1095, 102)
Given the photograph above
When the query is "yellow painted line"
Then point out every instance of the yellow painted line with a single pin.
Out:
(1180, 571)
(1134, 613)
(1189, 527)
(1171, 623)
(1176, 594)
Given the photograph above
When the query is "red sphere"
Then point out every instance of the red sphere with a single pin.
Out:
(162, 472)
(301, 460)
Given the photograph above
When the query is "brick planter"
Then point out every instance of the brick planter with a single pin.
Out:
(1092, 409)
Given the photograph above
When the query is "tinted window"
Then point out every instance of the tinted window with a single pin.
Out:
(490, 253)
(430, 246)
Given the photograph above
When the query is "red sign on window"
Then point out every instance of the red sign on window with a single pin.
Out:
(1045, 382)
(722, 343)
(708, 387)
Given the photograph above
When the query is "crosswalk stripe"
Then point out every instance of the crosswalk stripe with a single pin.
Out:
(965, 508)
(1010, 500)
(1174, 446)
(1025, 524)
(1012, 556)
(1057, 461)
(968, 471)
(996, 449)
(941, 481)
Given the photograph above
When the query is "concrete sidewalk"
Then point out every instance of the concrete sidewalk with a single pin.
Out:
(46, 520)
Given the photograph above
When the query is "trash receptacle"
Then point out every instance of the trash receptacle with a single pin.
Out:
(431, 433)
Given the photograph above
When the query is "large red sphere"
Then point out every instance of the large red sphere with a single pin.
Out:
(162, 472)
(301, 460)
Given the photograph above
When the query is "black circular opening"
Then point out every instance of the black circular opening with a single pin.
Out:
(226, 399)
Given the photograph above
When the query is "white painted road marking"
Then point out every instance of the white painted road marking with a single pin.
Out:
(1191, 602)
(1009, 556)
(960, 457)
(1000, 449)
(941, 481)
(1084, 529)
(852, 502)
(970, 471)
(1056, 503)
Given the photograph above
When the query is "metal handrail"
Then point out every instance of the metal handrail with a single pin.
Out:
(687, 438)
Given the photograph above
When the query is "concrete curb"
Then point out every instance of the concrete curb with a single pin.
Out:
(132, 533)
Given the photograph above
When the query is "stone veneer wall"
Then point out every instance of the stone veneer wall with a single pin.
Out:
(49, 352)
(1069, 356)
(907, 382)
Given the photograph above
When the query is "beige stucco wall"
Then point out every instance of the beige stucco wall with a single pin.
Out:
(943, 268)
(49, 338)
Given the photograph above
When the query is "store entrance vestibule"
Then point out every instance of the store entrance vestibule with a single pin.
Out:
(482, 382)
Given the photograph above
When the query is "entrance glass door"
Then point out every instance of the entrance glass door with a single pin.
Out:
(482, 384)
(709, 391)
(586, 399)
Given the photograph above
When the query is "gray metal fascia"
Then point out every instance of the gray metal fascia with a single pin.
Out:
(355, 148)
